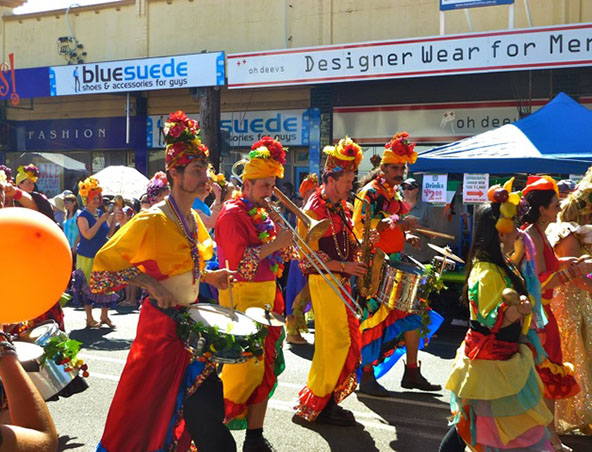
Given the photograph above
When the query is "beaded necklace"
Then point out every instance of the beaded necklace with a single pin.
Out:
(266, 232)
(190, 235)
(337, 209)
(388, 188)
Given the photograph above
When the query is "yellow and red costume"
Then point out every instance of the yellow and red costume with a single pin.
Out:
(383, 327)
(337, 334)
(241, 229)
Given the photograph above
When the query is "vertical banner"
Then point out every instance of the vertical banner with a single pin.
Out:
(434, 188)
(314, 143)
(475, 188)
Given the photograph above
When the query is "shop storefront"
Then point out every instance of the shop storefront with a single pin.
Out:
(66, 150)
(241, 129)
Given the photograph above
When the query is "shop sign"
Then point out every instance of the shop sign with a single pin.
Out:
(510, 50)
(25, 83)
(50, 178)
(434, 188)
(176, 71)
(475, 188)
(291, 127)
(71, 134)
(8, 80)
(458, 4)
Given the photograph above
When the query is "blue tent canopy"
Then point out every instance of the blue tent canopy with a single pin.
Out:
(555, 139)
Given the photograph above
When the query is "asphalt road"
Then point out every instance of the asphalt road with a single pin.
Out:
(407, 421)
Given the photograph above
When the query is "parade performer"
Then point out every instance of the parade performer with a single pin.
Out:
(165, 397)
(572, 306)
(542, 197)
(26, 178)
(383, 327)
(496, 397)
(332, 375)
(297, 292)
(249, 240)
(158, 188)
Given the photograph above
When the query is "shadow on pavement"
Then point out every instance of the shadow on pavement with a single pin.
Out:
(341, 439)
(65, 444)
(303, 351)
(93, 338)
(420, 419)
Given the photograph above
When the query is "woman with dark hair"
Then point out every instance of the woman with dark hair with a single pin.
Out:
(496, 395)
(542, 197)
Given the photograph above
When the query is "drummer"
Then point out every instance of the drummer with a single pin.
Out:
(332, 375)
(384, 326)
(164, 398)
(249, 240)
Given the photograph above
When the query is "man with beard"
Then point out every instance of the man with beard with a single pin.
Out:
(165, 398)
(249, 241)
(332, 375)
(383, 327)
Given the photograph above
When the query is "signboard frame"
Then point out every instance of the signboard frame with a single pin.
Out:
(447, 5)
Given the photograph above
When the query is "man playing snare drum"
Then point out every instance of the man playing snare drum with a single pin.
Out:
(164, 398)
(250, 242)
(382, 330)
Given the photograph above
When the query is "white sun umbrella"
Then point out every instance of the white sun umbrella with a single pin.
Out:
(122, 180)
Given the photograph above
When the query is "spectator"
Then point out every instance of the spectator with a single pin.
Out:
(70, 222)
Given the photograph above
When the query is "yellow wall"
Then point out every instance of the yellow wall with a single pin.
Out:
(147, 28)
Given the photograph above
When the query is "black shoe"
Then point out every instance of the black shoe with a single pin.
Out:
(413, 379)
(257, 445)
(333, 414)
(370, 386)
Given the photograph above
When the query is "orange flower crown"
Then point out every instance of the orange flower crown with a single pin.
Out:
(345, 156)
(183, 142)
(399, 150)
(88, 188)
(311, 181)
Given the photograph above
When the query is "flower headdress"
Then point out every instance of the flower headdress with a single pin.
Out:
(310, 182)
(509, 205)
(399, 150)
(27, 172)
(7, 172)
(267, 158)
(158, 182)
(578, 203)
(3, 178)
(183, 142)
(88, 189)
(345, 156)
(219, 178)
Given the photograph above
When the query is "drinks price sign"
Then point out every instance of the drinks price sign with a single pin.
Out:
(475, 188)
(434, 188)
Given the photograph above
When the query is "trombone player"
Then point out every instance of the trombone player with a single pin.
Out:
(249, 240)
(384, 326)
(332, 375)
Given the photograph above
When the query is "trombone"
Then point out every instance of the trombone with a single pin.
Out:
(316, 229)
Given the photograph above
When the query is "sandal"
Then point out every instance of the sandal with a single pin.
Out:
(108, 323)
(296, 339)
(92, 324)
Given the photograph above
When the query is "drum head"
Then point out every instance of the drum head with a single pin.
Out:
(43, 332)
(264, 317)
(220, 316)
(27, 352)
(407, 268)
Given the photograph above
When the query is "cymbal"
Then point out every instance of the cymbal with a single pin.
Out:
(264, 317)
(446, 252)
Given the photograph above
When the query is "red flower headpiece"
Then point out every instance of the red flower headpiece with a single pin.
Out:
(399, 150)
(181, 136)
(274, 147)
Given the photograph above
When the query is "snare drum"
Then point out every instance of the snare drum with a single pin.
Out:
(399, 285)
(222, 336)
(49, 378)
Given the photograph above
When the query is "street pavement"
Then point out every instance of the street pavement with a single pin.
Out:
(407, 421)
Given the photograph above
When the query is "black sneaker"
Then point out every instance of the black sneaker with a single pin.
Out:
(257, 445)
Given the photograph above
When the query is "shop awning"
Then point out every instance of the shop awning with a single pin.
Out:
(64, 161)
(555, 139)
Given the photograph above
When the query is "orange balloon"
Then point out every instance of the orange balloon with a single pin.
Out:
(35, 266)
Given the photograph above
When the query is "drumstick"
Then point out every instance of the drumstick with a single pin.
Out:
(230, 291)
(431, 233)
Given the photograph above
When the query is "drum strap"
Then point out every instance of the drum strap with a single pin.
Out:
(173, 313)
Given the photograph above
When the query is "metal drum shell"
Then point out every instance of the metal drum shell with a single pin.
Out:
(399, 286)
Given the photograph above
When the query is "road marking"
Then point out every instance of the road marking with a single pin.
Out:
(103, 376)
(383, 425)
